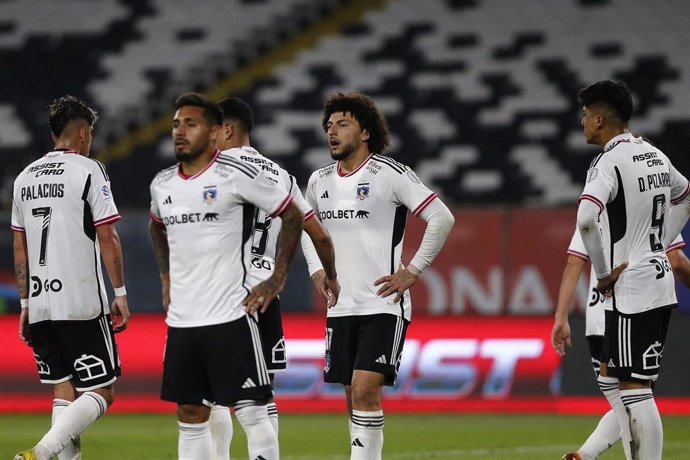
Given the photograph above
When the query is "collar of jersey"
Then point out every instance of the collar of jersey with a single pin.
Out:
(366, 160)
(186, 177)
(625, 137)
(62, 152)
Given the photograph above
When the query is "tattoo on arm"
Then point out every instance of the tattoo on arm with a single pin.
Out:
(21, 265)
(161, 251)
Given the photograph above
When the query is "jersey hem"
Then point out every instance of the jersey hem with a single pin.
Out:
(107, 220)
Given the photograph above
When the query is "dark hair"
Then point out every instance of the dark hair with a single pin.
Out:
(364, 110)
(68, 108)
(236, 109)
(615, 95)
(212, 113)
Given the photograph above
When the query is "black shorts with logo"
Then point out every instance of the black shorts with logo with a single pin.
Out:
(596, 346)
(634, 344)
(271, 330)
(369, 342)
(217, 364)
(83, 351)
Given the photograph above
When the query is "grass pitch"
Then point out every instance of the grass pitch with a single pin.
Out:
(324, 436)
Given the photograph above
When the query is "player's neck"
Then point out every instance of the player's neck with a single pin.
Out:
(191, 167)
(609, 134)
(67, 144)
(354, 161)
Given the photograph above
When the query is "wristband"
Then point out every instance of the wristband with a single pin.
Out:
(120, 291)
(24, 303)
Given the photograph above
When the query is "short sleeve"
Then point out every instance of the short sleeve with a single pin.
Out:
(679, 185)
(310, 196)
(154, 210)
(101, 199)
(299, 200)
(262, 191)
(678, 243)
(409, 190)
(577, 247)
(601, 185)
(17, 217)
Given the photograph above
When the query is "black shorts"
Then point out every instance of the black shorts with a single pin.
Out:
(370, 342)
(634, 344)
(596, 347)
(82, 351)
(273, 339)
(219, 364)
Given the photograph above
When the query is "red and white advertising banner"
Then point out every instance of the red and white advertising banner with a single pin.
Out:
(475, 364)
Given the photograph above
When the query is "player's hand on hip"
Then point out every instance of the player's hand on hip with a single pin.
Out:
(605, 284)
(120, 313)
(398, 282)
(263, 294)
(24, 333)
(560, 337)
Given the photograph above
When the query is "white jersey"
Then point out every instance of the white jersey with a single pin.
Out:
(635, 183)
(597, 303)
(209, 220)
(267, 228)
(59, 200)
(365, 213)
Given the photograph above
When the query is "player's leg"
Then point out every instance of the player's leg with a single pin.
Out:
(379, 350)
(63, 395)
(241, 379)
(339, 360)
(220, 424)
(185, 367)
(607, 432)
(84, 352)
(642, 350)
(273, 342)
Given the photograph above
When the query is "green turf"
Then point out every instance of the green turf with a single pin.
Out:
(324, 437)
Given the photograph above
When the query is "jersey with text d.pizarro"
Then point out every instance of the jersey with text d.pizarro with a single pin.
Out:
(365, 213)
(209, 220)
(636, 184)
(59, 200)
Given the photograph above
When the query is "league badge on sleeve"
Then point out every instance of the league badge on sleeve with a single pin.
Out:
(363, 191)
(210, 194)
(592, 174)
(107, 195)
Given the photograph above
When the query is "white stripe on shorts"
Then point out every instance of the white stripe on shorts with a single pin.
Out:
(261, 369)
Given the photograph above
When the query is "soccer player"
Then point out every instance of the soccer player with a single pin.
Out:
(607, 432)
(363, 199)
(63, 200)
(634, 183)
(202, 217)
(238, 122)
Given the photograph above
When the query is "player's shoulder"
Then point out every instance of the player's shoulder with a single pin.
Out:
(324, 172)
(388, 164)
(245, 161)
(165, 175)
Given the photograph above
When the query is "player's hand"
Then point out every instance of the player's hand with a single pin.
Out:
(398, 282)
(263, 294)
(24, 326)
(328, 288)
(605, 284)
(560, 336)
(165, 290)
(119, 312)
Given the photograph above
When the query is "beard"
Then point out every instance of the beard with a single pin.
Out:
(193, 154)
(346, 152)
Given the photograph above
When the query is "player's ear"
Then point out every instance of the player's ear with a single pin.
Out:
(365, 135)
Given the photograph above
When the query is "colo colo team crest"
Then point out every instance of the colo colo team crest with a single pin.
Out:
(210, 193)
(363, 191)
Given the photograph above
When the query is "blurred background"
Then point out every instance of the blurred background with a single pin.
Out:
(480, 96)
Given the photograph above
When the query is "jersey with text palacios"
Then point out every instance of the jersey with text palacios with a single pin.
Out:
(209, 220)
(267, 228)
(365, 213)
(636, 184)
(58, 201)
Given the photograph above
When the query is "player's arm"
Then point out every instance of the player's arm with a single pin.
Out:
(679, 212)
(326, 279)
(439, 222)
(111, 252)
(21, 271)
(263, 293)
(560, 334)
(681, 266)
(161, 251)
